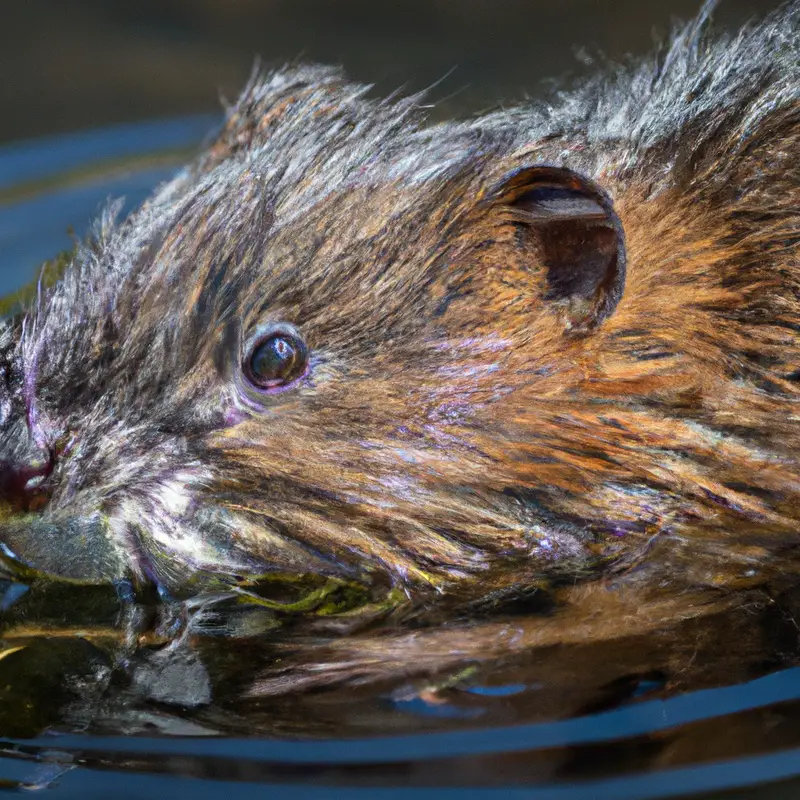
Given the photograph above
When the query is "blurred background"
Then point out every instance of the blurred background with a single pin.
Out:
(78, 64)
(107, 98)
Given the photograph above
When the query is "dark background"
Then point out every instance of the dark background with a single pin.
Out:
(77, 64)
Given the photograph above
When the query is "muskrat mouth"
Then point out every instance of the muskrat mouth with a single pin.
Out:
(26, 494)
(24, 482)
(70, 547)
(91, 550)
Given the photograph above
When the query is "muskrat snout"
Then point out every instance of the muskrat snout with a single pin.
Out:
(24, 469)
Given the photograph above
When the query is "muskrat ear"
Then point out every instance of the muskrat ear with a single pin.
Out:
(569, 221)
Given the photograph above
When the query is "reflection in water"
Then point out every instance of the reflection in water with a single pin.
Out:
(664, 700)
(654, 697)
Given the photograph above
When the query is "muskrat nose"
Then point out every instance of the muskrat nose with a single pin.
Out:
(24, 466)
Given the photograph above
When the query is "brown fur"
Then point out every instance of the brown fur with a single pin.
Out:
(476, 420)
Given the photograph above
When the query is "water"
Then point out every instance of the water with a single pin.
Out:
(48, 186)
(666, 702)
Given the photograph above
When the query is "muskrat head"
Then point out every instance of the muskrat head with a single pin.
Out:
(347, 344)
(304, 353)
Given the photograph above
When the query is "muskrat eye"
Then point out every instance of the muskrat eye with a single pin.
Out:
(276, 360)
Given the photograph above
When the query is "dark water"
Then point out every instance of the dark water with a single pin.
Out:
(685, 705)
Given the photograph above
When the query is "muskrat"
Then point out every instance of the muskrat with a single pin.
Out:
(552, 343)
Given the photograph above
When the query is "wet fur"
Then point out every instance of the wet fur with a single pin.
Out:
(454, 434)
